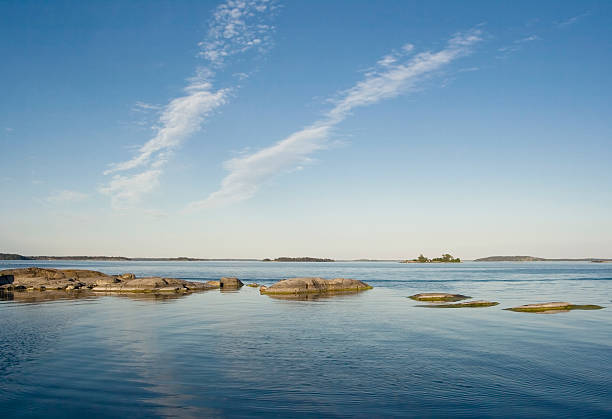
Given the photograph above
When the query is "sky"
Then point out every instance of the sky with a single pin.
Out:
(267, 128)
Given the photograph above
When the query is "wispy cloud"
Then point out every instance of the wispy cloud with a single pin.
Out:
(516, 45)
(237, 26)
(395, 74)
(145, 107)
(65, 196)
(573, 19)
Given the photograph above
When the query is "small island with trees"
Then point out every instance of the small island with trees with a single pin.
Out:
(446, 258)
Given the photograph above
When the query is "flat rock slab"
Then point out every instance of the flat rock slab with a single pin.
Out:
(553, 307)
(154, 284)
(438, 296)
(314, 286)
(466, 304)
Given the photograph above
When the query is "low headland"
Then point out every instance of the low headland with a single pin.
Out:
(15, 256)
(537, 259)
(299, 259)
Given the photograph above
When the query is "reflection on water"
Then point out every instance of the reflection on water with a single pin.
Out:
(371, 354)
(42, 296)
(36, 296)
(313, 296)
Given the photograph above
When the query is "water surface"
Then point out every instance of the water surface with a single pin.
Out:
(240, 354)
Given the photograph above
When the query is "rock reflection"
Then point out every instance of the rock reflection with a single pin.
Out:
(56, 295)
(44, 296)
(315, 296)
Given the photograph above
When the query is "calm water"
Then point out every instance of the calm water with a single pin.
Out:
(240, 354)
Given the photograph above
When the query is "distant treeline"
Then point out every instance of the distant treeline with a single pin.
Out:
(536, 259)
(302, 259)
(13, 256)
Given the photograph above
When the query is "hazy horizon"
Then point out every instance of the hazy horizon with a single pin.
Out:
(348, 130)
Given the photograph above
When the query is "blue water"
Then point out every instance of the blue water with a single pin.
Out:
(374, 354)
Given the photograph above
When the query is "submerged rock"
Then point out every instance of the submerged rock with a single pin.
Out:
(466, 304)
(314, 285)
(553, 307)
(438, 296)
(253, 285)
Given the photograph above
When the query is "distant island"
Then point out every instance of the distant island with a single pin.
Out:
(446, 258)
(537, 259)
(302, 259)
(14, 256)
(510, 259)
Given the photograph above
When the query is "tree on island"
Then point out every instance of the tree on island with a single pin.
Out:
(446, 258)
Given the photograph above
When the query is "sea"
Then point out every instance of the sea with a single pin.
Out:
(376, 353)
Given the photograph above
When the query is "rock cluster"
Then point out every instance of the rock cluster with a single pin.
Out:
(76, 279)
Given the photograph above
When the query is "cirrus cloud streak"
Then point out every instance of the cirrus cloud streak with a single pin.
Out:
(394, 74)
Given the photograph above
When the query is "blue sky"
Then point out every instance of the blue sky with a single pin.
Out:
(340, 129)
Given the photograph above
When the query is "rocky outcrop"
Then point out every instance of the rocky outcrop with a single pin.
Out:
(52, 279)
(438, 296)
(77, 279)
(314, 285)
(553, 307)
(230, 283)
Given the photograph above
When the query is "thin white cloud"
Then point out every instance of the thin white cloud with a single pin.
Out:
(395, 74)
(527, 39)
(573, 19)
(65, 196)
(516, 45)
(237, 26)
(145, 107)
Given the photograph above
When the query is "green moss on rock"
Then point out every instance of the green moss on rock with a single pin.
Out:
(553, 307)
(438, 296)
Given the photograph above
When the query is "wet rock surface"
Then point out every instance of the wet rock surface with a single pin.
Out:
(553, 307)
(438, 296)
